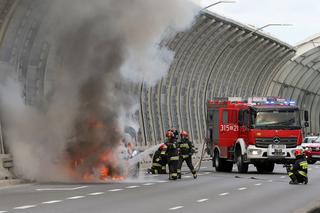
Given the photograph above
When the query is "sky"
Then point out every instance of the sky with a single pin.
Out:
(304, 15)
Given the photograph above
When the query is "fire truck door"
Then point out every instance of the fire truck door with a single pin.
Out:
(229, 129)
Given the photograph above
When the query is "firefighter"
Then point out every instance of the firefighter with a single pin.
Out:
(175, 133)
(159, 160)
(172, 155)
(298, 172)
(186, 150)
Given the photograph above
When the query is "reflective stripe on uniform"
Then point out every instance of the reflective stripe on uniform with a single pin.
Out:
(290, 173)
(184, 145)
(302, 173)
(304, 164)
(174, 158)
(163, 152)
(156, 164)
(185, 156)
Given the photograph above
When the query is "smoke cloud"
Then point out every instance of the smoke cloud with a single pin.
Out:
(103, 45)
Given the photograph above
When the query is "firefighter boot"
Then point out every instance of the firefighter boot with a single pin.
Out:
(306, 180)
(195, 175)
(179, 174)
(294, 179)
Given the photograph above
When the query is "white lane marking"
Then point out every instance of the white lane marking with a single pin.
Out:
(155, 175)
(283, 177)
(270, 181)
(148, 184)
(258, 184)
(176, 207)
(52, 201)
(75, 197)
(3, 211)
(200, 174)
(25, 207)
(202, 200)
(206, 173)
(223, 194)
(242, 188)
(62, 189)
(162, 181)
(115, 190)
(203, 167)
(187, 176)
(132, 187)
(96, 193)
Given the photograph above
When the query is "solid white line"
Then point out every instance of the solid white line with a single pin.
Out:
(96, 193)
(25, 207)
(52, 201)
(132, 187)
(175, 208)
(115, 190)
(258, 184)
(203, 167)
(242, 188)
(75, 197)
(162, 181)
(223, 194)
(202, 200)
(148, 184)
(62, 189)
(187, 176)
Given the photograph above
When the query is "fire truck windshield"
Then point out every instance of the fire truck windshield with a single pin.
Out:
(276, 119)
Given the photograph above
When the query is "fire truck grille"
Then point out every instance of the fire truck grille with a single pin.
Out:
(264, 142)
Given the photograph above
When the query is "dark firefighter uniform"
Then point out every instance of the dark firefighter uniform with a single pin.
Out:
(186, 150)
(172, 155)
(299, 170)
(159, 161)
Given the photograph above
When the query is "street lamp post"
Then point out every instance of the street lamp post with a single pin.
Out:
(218, 2)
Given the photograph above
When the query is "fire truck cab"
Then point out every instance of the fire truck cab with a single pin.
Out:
(260, 131)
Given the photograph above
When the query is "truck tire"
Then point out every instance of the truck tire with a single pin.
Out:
(221, 164)
(265, 167)
(242, 166)
(311, 161)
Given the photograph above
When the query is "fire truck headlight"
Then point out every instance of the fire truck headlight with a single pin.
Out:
(255, 152)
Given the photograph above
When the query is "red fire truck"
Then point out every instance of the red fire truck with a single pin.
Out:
(259, 130)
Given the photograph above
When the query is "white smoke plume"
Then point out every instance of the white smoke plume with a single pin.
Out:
(103, 44)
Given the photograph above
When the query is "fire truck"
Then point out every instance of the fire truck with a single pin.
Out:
(259, 130)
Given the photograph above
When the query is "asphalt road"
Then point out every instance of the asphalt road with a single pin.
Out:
(211, 192)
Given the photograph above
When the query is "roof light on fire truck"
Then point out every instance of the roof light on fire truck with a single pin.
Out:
(292, 102)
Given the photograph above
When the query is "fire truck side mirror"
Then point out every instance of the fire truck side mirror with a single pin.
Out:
(306, 116)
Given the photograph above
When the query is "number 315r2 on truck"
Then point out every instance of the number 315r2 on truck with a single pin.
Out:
(260, 130)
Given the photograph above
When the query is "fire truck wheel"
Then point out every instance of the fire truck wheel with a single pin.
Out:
(242, 166)
(311, 161)
(221, 164)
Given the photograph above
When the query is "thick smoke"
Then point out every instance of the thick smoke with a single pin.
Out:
(102, 44)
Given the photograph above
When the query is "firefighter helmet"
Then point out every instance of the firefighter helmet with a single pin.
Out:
(184, 134)
(298, 152)
(163, 147)
(169, 134)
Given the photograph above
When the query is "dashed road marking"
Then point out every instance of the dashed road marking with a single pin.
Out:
(115, 190)
(187, 176)
(155, 175)
(202, 200)
(242, 188)
(270, 181)
(132, 187)
(148, 184)
(223, 194)
(200, 174)
(25, 207)
(162, 181)
(3, 211)
(52, 201)
(258, 184)
(62, 189)
(75, 197)
(176, 207)
(283, 176)
(206, 173)
(203, 167)
(96, 193)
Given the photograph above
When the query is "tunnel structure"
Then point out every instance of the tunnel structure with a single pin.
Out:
(217, 57)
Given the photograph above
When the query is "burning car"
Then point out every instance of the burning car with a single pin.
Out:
(311, 146)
